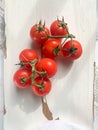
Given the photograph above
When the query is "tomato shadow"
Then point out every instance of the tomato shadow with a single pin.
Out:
(64, 66)
(80, 72)
(36, 47)
(25, 100)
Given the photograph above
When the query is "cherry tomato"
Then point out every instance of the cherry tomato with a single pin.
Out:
(21, 78)
(51, 48)
(59, 28)
(44, 88)
(38, 33)
(48, 65)
(28, 55)
(72, 50)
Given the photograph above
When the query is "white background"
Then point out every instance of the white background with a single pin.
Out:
(21, 23)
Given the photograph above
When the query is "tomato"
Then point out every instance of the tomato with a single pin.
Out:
(44, 88)
(38, 33)
(72, 50)
(48, 65)
(20, 76)
(28, 55)
(51, 48)
(59, 28)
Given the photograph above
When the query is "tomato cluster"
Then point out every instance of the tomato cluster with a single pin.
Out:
(54, 42)
(35, 72)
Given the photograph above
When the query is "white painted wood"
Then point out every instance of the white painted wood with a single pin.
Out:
(72, 95)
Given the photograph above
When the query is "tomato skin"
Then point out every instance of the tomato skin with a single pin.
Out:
(57, 30)
(22, 73)
(47, 64)
(28, 55)
(68, 45)
(49, 47)
(46, 86)
(38, 36)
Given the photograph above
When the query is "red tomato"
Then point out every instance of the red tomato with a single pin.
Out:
(72, 50)
(51, 48)
(59, 28)
(38, 33)
(48, 65)
(19, 78)
(44, 88)
(28, 55)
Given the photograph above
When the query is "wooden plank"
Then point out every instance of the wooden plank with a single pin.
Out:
(72, 95)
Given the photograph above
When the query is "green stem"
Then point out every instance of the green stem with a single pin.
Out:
(39, 85)
(23, 80)
(65, 25)
(65, 36)
(43, 72)
(71, 42)
(29, 62)
(33, 74)
(64, 41)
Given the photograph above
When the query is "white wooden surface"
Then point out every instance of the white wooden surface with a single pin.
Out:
(72, 95)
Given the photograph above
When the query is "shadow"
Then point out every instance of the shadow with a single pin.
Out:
(36, 47)
(25, 99)
(85, 73)
(64, 67)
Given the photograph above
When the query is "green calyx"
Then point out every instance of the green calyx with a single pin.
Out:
(62, 23)
(40, 86)
(42, 73)
(23, 80)
(72, 50)
(40, 27)
(56, 51)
